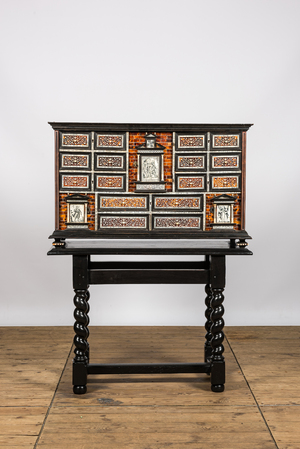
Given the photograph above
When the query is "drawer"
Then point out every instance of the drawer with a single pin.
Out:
(75, 181)
(75, 140)
(110, 182)
(175, 202)
(74, 161)
(110, 141)
(228, 181)
(123, 202)
(225, 161)
(110, 161)
(190, 182)
(190, 142)
(178, 222)
(113, 222)
(226, 141)
(190, 162)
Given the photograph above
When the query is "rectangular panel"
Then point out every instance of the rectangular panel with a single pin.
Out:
(182, 222)
(134, 202)
(109, 182)
(110, 161)
(190, 162)
(111, 141)
(192, 182)
(153, 186)
(190, 141)
(150, 168)
(75, 161)
(229, 161)
(75, 181)
(225, 182)
(226, 140)
(167, 202)
(74, 140)
(110, 222)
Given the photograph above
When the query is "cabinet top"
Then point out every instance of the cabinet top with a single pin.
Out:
(148, 127)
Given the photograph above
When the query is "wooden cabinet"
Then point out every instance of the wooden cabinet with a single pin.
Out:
(150, 180)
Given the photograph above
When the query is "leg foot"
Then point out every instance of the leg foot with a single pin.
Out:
(217, 388)
(79, 389)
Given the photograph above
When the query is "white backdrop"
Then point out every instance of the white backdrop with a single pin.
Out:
(188, 61)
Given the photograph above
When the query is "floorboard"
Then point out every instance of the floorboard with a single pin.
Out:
(260, 407)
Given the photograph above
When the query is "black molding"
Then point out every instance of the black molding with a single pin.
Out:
(148, 127)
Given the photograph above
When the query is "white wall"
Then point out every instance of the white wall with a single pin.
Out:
(191, 61)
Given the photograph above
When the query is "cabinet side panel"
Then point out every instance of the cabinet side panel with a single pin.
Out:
(56, 180)
(243, 192)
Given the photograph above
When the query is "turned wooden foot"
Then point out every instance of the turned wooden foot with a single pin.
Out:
(79, 389)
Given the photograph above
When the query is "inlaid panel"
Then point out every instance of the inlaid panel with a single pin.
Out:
(150, 187)
(177, 202)
(191, 182)
(123, 202)
(226, 140)
(77, 161)
(123, 222)
(110, 161)
(190, 141)
(72, 140)
(75, 181)
(225, 182)
(111, 141)
(177, 222)
(225, 161)
(109, 182)
(190, 162)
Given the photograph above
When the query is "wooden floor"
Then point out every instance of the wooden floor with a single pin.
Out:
(260, 408)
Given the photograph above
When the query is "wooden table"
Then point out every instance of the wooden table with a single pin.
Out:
(210, 271)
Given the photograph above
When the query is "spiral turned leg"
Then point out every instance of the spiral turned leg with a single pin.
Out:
(81, 351)
(207, 346)
(217, 359)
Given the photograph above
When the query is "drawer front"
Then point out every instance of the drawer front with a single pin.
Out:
(74, 140)
(191, 162)
(110, 161)
(225, 182)
(110, 141)
(191, 182)
(226, 141)
(123, 202)
(225, 161)
(75, 181)
(108, 182)
(174, 202)
(112, 222)
(179, 222)
(185, 142)
(75, 161)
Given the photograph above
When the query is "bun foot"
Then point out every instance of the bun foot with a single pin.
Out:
(217, 388)
(79, 389)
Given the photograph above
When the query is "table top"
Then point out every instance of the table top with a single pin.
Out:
(148, 247)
